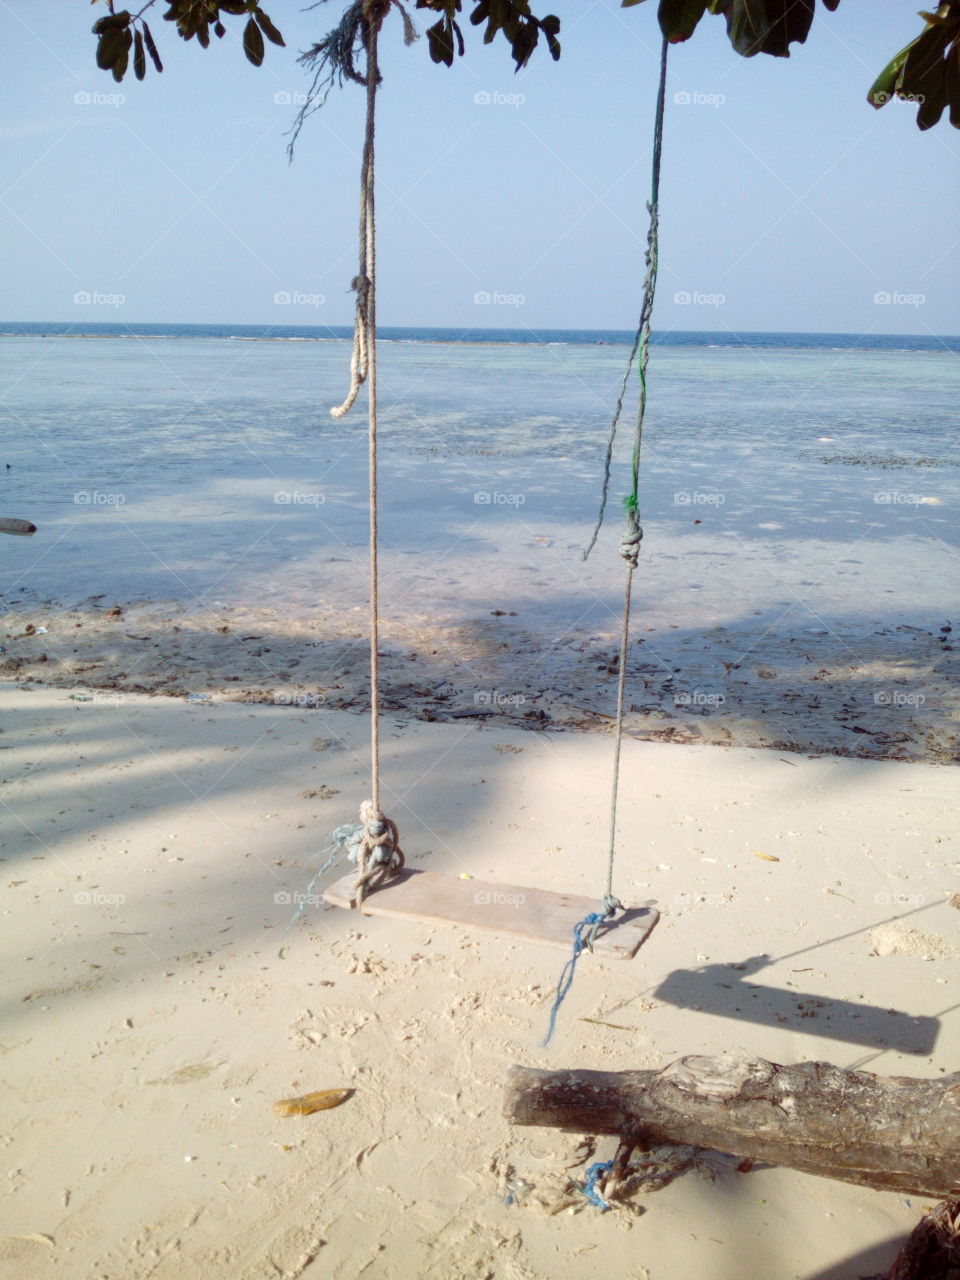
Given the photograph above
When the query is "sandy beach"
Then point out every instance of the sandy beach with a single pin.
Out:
(184, 692)
(159, 1000)
(886, 693)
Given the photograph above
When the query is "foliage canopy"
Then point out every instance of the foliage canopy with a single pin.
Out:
(926, 71)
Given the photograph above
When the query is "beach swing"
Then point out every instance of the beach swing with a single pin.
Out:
(382, 885)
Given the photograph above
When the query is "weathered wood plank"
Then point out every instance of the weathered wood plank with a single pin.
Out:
(894, 1133)
(536, 915)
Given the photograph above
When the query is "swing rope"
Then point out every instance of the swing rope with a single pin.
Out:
(379, 856)
(633, 533)
(629, 544)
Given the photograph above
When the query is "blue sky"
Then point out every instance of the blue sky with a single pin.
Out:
(787, 203)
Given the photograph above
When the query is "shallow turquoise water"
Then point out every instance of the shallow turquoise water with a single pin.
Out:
(210, 468)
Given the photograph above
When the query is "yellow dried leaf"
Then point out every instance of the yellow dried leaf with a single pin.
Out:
(767, 857)
(311, 1102)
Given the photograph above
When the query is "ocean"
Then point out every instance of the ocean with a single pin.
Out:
(792, 485)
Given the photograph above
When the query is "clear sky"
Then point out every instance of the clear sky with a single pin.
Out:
(787, 202)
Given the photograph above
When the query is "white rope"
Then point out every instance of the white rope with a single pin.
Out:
(380, 856)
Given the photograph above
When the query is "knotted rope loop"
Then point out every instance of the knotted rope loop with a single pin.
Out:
(360, 359)
(611, 905)
(630, 542)
(379, 857)
(597, 1174)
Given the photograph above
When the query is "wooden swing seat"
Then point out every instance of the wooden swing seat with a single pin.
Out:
(533, 915)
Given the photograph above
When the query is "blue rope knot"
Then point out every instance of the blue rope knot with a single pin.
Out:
(589, 1188)
(591, 922)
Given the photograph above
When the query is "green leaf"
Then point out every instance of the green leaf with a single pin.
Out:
(953, 85)
(151, 48)
(884, 87)
(268, 29)
(767, 26)
(440, 43)
(253, 43)
(628, 4)
(524, 44)
(139, 60)
(925, 57)
(109, 48)
(112, 22)
(678, 18)
(120, 66)
(934, 97)
(203, 35)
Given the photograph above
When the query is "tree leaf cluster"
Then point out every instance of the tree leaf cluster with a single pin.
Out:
(521, 28)
(122, 33)
(753, 26)
(926, 71)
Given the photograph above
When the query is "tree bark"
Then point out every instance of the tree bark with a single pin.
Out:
(932, 1251)
(892, 1133)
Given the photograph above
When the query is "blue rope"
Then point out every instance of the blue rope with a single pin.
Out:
(566, 977)
(589, 1188)
(345, 837)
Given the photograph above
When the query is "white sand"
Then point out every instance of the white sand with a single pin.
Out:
(156, 1007)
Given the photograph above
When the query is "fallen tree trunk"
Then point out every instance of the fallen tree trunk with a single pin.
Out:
(893, 1133)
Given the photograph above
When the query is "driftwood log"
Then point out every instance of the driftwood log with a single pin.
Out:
(892, 1133)
(932, 1252)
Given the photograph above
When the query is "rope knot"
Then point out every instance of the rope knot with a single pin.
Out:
(361, 287)
(379, 857)
(630, 542)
